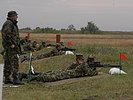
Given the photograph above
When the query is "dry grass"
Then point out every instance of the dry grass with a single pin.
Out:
(112, 40)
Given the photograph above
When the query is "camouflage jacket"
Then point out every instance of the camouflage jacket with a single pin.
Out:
(10, 35)
(73, 66)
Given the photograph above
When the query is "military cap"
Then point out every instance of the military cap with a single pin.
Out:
(91, 56)
(79, 56)
(12, 14)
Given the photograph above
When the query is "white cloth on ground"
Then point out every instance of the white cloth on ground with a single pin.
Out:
(113, 71)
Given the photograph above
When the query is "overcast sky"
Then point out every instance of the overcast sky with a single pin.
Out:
(107, 14)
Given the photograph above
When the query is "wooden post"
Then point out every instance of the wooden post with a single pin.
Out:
(28, 36)
(58, 38)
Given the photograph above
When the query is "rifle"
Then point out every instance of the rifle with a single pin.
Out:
(53, 45)
(17, 46)
(67, 49)
(98, 64)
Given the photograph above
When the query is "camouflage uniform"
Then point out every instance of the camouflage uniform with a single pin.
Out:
(10, 36)
(24, 40)
(75, 70)
(43, 44)
(55, 52)
(80, 71)
(37, 46)
(27, 44)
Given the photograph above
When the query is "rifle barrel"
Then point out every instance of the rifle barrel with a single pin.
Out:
(103, 65)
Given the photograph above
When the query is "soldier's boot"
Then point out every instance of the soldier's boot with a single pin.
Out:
(17, 82)
(35, 73)
(33, 78)
(36, 78)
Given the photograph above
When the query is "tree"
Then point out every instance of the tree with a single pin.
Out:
(91, 28)
(71, 27)
(82, 30)
(27, 29)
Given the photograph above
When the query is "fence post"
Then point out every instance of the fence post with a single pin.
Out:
(58, 38)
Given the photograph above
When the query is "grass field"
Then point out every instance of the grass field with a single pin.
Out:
(106, 48)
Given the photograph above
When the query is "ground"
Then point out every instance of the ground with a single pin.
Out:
(106, 49)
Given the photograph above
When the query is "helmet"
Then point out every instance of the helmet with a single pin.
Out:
(91, 58)
(79, 56)
(12, 14)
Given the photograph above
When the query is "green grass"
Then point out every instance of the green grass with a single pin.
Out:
(101, 87)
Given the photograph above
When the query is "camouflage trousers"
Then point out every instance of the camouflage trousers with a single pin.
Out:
(79, 71)
(46, 55)
(11, 65)
(41, 56)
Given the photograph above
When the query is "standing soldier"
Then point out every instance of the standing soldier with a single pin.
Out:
(11, 45)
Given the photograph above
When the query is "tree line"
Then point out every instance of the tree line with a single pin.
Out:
(90, 28)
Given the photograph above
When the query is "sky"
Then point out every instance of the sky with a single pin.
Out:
(108, 15)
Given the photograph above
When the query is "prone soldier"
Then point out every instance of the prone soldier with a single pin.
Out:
(55, 52)
(78, 69)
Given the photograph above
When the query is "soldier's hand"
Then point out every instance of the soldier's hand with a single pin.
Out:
(12, 46)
